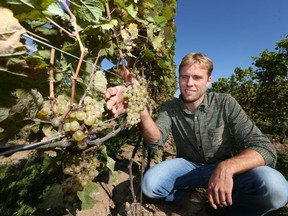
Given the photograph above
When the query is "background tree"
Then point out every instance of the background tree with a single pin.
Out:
(242, 86)
(272, 76)
(262, 90)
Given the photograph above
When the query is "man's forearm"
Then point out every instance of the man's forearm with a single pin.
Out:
(246, 160)
(149, 130)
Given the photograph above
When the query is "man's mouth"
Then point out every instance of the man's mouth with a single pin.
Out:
(190, 91)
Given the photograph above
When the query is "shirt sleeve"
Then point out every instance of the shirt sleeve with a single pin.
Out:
(247, 134)
(164, 123)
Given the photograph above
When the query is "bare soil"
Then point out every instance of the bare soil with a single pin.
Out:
(119, 200)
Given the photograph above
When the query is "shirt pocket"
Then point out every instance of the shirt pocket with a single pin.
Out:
(216, 136)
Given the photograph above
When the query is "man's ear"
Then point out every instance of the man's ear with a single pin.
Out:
(209, 81)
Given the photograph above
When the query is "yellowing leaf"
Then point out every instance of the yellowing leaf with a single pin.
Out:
(133, 29)
(100, 82)
(10, 32)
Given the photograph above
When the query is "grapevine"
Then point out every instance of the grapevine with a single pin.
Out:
(80, 121)
(72, 40)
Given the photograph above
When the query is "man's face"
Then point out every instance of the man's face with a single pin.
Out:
(193, 81)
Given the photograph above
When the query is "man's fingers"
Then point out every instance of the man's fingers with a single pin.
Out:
(111, 102)
(110, 92)
(211, 201)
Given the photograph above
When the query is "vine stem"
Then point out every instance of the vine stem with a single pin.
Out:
(51, 82)
(126, 74)
(82, 49)
(92, 78)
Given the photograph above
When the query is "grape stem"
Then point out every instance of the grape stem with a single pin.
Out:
(98, 142)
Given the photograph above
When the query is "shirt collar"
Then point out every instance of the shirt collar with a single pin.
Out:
(202, 107)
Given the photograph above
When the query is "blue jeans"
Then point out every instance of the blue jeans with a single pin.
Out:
(255, 192)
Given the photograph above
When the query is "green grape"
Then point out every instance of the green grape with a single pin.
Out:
(74, 125)
(84, 183)
(87, 100)
(66, 126)
(137, 98)
(81, 115)
(61, 109)
(77, 169)
(78, 135)
(90, 120)
(44, 111)
(81, 145)
(72, 115)
(55, 122)
(67, 171)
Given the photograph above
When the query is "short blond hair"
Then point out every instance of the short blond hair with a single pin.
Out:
(192, 58)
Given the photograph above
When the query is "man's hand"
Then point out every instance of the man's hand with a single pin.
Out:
(115, 100)
(220, 186)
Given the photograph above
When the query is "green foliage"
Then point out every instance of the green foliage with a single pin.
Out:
(262, 92)
(86, 196)
(23, 184)
(140, 32)
(272, 76)
(242, 86)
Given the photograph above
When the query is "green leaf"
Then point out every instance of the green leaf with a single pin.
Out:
(160, 20)
(53, 198)
(87, 194)
(133, 12)
(4, 113)
(55, 9)
(113, 178)
(107, 26)
(90, 11)
(110, 164)
(157, 42)
(49, 131)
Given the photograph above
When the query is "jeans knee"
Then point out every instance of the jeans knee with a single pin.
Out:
(152, 186)
(276, 188)
(278, 194)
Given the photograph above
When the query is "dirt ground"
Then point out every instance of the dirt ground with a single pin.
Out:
(118, 200)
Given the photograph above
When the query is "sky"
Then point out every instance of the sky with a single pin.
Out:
(230, 32)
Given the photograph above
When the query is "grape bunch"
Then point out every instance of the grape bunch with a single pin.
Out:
(78, 121)
(80, 171)
(137, 97)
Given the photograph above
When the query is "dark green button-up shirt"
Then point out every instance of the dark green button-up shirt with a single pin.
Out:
(217, 129)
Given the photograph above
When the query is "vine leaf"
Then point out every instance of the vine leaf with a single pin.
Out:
(91, 11)
(49, 131)
(10, 32)
(87, 194)
(100, 82)
(53, 197)
(108, 26)
(55, 10)
(133, 12)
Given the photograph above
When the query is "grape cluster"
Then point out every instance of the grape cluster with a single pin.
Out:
(80, 171)
(137, 98)
(79, 119)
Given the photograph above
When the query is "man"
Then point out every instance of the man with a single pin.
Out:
(208, 128)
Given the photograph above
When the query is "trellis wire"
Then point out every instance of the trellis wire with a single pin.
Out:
(33, 145)
(27, 36)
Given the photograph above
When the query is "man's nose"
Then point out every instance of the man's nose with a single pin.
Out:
(190, 81)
